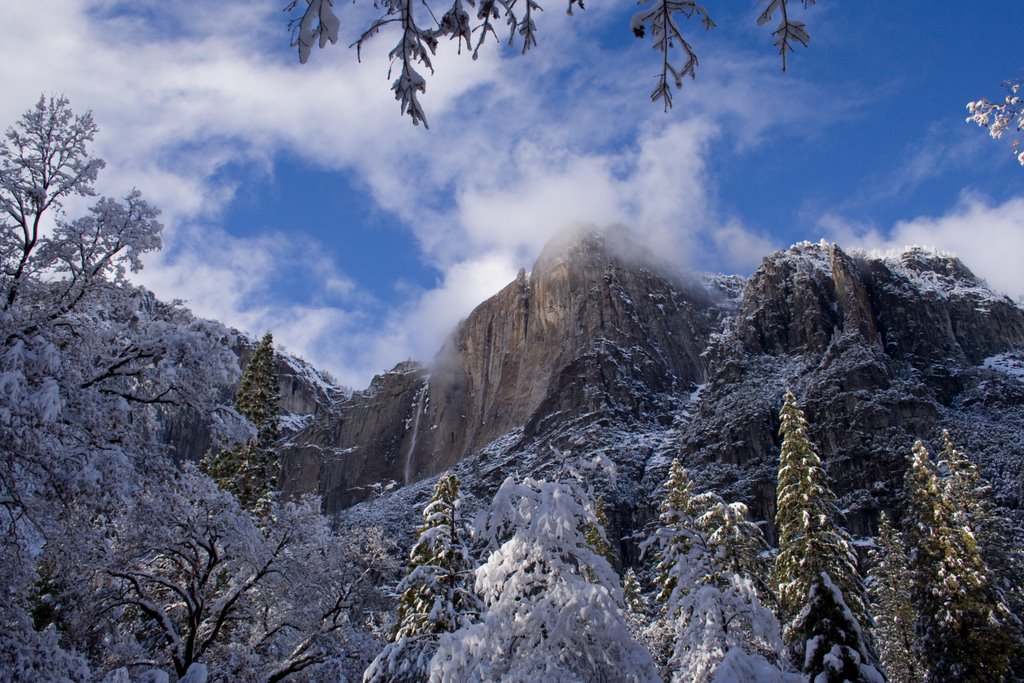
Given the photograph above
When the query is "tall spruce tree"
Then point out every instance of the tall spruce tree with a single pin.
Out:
(250, 470)
(965, 631)
(997, 538)
(890, 592)
(437, 594)
(821, 594)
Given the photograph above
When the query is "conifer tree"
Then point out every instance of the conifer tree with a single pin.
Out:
(816, 567)
(677, 529)
(739, 544)
(632, 593)
(437, 594)
(965, 632)
(597, 533)
(553, 605)
(258, 397)
(971, 496)
(835, 649)
(893, 609)
(250, 470)
(712, 606)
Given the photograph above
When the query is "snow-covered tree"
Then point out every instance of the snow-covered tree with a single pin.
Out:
(971, 496)
(1002, 117)
(436, 596)
(553, 605)
(89, 363)
(632, 592)
(821, 594)
(965, 631)
(834, 650)
(419, 32)
(889, 588)
(188, 577)
(250, 470)
(705, 550)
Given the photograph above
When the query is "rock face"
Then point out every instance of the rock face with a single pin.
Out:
(880, 352)
(305, 393)
(595, 357)
(586, 332)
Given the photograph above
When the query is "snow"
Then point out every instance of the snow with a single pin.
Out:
(1010, 363)
(742, 667)
(197, 673)
(295, 422)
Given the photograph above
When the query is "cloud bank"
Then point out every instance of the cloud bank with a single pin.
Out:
(193, 100)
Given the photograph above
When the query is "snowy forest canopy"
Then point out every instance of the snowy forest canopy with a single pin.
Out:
(121, 564)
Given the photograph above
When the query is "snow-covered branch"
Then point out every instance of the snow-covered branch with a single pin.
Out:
(1003, 117)
(660, 17)
(788, 31)
(418, 40)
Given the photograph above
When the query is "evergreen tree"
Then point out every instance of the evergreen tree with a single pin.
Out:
(250, 470)
(632, 593)
(553, 604)
(258, 397)
(677, 530)
(816, 567)
(965, 631)
(996, 536)
(597, 532)
(437, 594)
(894, 611)
(739, 544)
(834, 649)
(712, 607)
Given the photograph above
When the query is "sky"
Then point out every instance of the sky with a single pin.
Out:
(296, 199)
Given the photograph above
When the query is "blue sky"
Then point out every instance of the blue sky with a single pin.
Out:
(296, 199)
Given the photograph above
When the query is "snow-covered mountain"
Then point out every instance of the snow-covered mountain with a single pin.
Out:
(598, 356)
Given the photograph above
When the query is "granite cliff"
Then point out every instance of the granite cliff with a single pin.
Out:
(588, 332)
(596, 356)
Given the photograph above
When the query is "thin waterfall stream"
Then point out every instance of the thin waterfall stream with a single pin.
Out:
(420, 401)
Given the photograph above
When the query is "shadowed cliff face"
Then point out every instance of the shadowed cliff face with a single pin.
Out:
(880, 352)
(586, 333)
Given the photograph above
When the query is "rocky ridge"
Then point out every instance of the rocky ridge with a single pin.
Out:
(598, 364)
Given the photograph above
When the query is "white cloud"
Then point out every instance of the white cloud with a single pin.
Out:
(519, 148)
(989, 238)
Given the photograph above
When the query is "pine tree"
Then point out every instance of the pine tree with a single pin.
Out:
(437, 594)
(632, 593)
(250, 470)
(834, 649)
(677, 530)
(739, 544)
(258, 397)
(712, 606)
(597, 533)
(893, 609)
(816, 567)
(995, 534)
(553, 605)
(965, 631)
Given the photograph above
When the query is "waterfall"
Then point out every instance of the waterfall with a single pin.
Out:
(420, 400)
